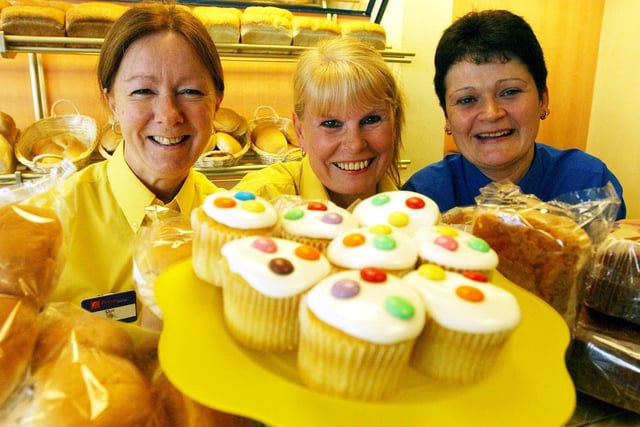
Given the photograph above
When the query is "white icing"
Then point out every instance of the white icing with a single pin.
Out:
(253, 265)
(368, 213)
(498, 311)
(464, 257)
(237, 216)
(311, 224)
(403, 256)
(364, 316)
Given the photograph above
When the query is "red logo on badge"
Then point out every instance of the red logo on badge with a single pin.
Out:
(95, 305)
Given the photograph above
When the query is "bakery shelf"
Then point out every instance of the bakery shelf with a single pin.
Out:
(10, 44)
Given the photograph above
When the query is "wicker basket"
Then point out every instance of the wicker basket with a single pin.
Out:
(280, 123)
(84, 128)
(218, 159)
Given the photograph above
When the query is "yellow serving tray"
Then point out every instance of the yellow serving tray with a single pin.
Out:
(529, 387)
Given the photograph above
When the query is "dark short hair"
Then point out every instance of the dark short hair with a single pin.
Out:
(489, 36)
(146, 19)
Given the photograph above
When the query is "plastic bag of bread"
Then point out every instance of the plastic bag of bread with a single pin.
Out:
(164, 239)
(604, 357)
(19, 329)
(32, 251)
(540, 247)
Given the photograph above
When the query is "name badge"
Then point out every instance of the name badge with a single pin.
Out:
(120, 306)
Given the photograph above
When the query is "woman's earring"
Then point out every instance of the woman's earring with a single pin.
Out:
(447, 130)
(115, 127)
(545, 114)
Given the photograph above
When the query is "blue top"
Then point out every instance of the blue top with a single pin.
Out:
(454, 181)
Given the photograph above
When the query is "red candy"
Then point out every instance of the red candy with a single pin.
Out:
(316, 206)
(476, 276)
(373, 275)
(414, 203)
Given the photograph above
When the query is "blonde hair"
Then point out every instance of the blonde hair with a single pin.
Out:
(341, 75)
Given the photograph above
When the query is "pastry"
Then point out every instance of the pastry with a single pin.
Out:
(455, 250)
(266, 279)
(308, 31)
(377, 246)
(92, 19)
(32, 20)
(468, 324)
(357, 330)
(267, 25)
(8, 127)
(369, 32)
(226, 216)
(404, 211)
(222, 23)
(315, 223)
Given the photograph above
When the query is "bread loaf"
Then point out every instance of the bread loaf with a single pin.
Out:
(369, 32)
(30, 252)
(229, 121)
(33, 21)
(7, 156)
(18, 331)
(266, 25)
(8, 127)
(65, 144)
(227, 143)
(308, 31)
(267, 137)
(222, 23)
(92, 19)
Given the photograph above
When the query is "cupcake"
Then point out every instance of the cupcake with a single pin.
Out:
(261, 296)
(455, 250)
(315, 223)
(357, 330)
(404, 211)
(468, 324)
(225, 216)
(377, 246)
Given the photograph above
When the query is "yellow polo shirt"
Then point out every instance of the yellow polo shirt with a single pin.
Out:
(293, 178)
(103, 208)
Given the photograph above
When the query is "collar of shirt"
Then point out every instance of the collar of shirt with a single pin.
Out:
(133, 196)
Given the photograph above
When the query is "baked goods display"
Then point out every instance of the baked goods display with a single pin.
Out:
(266, 277)
(315, 223)
(272, 138)
(540, 250)
(226, 216)
(52, 149)
(455, 250)
(368, 32)
(8, 127)
(357, 331)
(404, 211)
(613, 279)
(468, 323)
(376, 246)
(229, 121)
(31, 256)
(308, 31)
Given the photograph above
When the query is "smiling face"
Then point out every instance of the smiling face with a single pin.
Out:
(349, 152)
(164, 99)
(493, 111)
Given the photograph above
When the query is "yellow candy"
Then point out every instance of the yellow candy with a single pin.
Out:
(431, 272)
(447, 230)
(398, 219)
(253, 206)
(380, 229)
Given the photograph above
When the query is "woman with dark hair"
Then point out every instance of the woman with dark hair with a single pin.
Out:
(491, 82)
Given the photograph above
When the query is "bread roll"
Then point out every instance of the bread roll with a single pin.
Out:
(30, 252)
(18, 331)
(64, 325)
(229, 121)
(33, 20)
(88, 387)
(92, 19)
(4, 3)
(267, 137)
(369, 32)
(8, 127)
(227, 143)
(7, 156)
(64, 144)
(308, 31)
(222, 23)
(266, 25)
(57, 4)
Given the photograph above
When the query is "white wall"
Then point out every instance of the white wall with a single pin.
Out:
(413, 27)
(615, 114)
